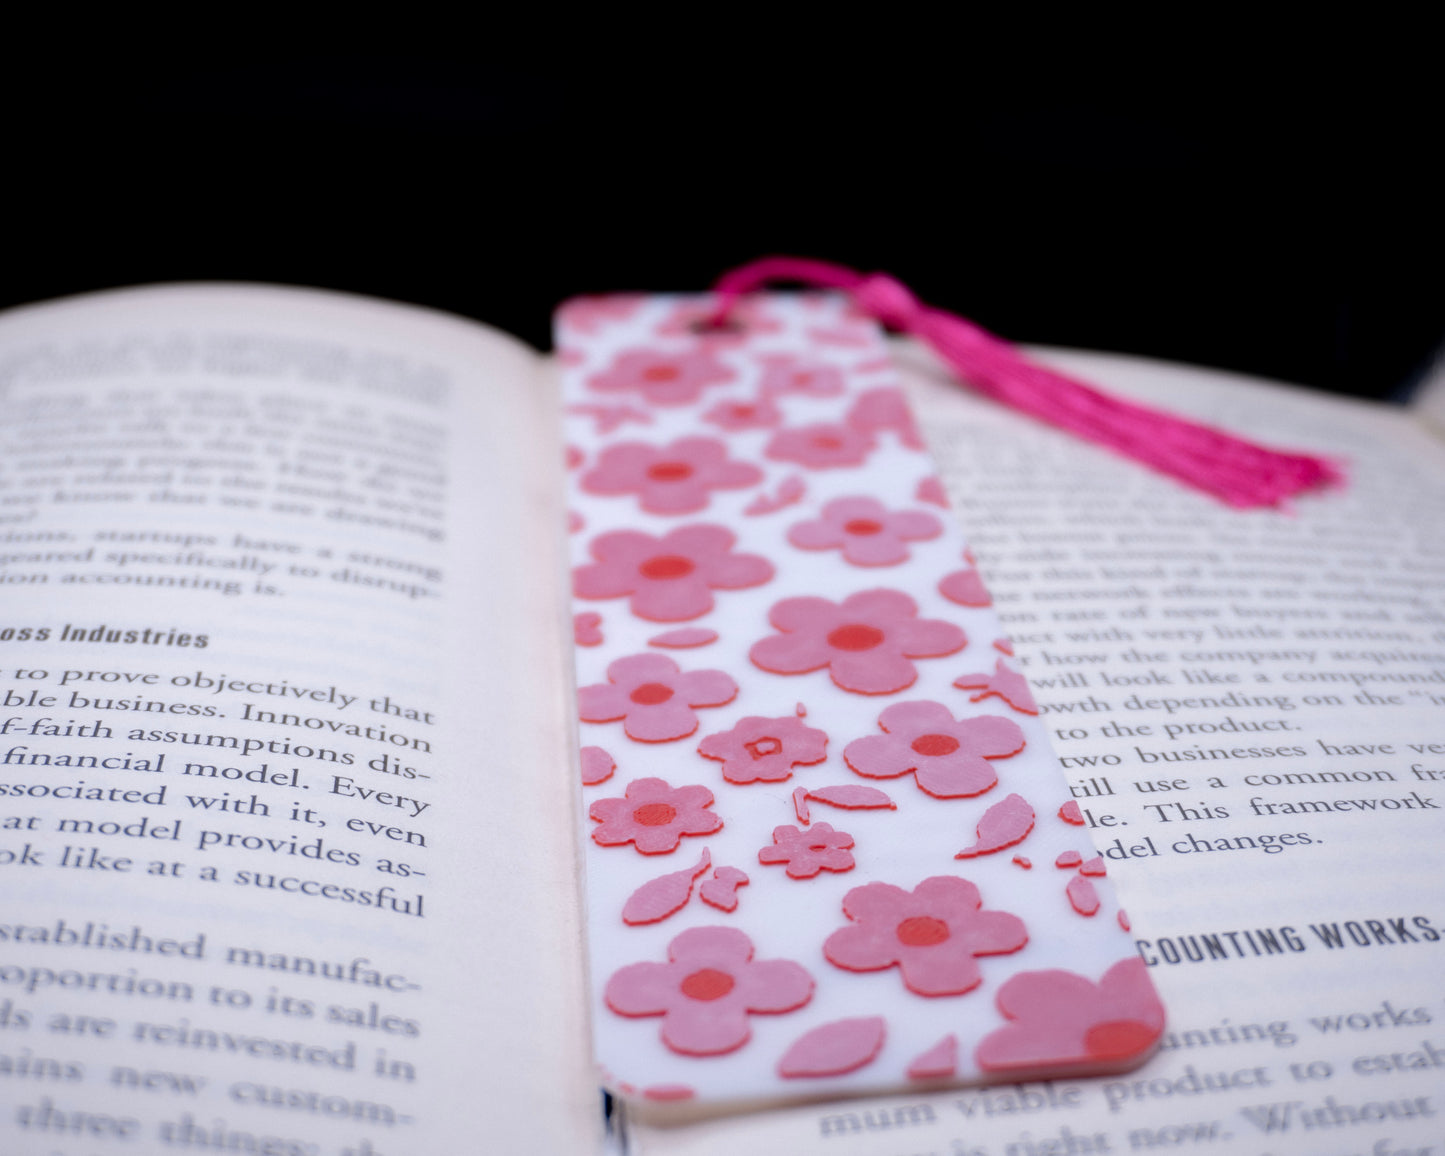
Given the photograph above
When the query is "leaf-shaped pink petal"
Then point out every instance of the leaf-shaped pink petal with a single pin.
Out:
(1070, 813)
(1082, 895)
(939, 1062)
(800, 804)
(687, 636)
(835, 1048)
(658, 898)
(721, 891)
(853, 798)
(1005, 824)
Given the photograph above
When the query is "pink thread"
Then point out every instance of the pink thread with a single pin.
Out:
(1238, 472)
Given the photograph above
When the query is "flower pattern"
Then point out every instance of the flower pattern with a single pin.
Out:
(706, 990)
(765, 749)
(948, 758)
(820, 848)
(671, 479)
(1060, 1017)
(788, 374)
(821, 446)
(670, 578)
(886, 409)
(662, 378)
(867, 641)
(653, 816)
(866, 530)
(697, 321)
(654, 697)
(742, 415)
(931, 934)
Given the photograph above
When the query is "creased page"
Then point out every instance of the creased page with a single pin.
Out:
(283, 836)
(1249, 707)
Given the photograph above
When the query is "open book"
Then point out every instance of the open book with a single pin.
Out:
(288, 807)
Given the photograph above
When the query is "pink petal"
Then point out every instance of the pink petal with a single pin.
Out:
(1069, 859)
(1005, 824)
(1082, 896)
(852, 797)
(939, 1062)
(662, 723)
(879, 671)
(721, 890)
(1094, 866)
(1070, 813)
(800, 804)
(658, 898)
(688, 636)
(835, 1048)
(597, 766)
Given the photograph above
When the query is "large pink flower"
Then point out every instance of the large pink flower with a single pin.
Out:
(765, 749)
(653, 816)
(707, 990)
(869, 533)
(886, 409)
(819, 848)
(821, 446)
(1062, 1018)
(866, 641)
(931, 933)
(670, 479)
(947, 757)
(661, 377)
(670, 578)
(654, 697)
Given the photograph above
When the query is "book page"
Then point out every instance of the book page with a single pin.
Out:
(284, 819)
(1249, 707)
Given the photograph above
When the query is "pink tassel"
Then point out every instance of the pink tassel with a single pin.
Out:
(1240, 473)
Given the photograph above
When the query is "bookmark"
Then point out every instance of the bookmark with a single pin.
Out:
(828, 846)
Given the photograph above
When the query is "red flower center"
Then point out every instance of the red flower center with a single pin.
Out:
(709, 983)
(743, 412)
(762, 748)
(667, 566)
(934, 745)
(655, 814)
(802, 377)
(921, 931)
(661, 373)
(862, 526)
(828, 442)
(651, 693)
(855, 636)
(669, 471)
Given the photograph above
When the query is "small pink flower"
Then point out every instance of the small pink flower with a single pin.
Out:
(661, 377)
(948, 758)
(820, 848)
(670, 479)
(670, 578)
(821, 446)
(765, 749)
(886, 409)
(1060, 1017)
(869, 534)
(788, 374)
(931, 934)
(866, 641)
(707, 990)
(588, 314)
(741, 415)
(697, 319)
(653, 816)
(654, 697)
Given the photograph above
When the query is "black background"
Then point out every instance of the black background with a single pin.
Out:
(1203, 194)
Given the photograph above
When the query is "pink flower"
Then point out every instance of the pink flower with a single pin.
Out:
(820, 446)
(653, 816)
(707, 990)
(931, 933)
(868, 533)
(670, 578)
(653, 697)
(820, 848)
(1060, 1017)
(740, 415)
(948, 758)
(886, 409)
(866, 641)
(661, 377)
(788, 374)
(765, 749)
(670, 479)
(696, 319)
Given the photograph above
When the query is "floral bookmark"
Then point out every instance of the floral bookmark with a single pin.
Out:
(828, 846)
